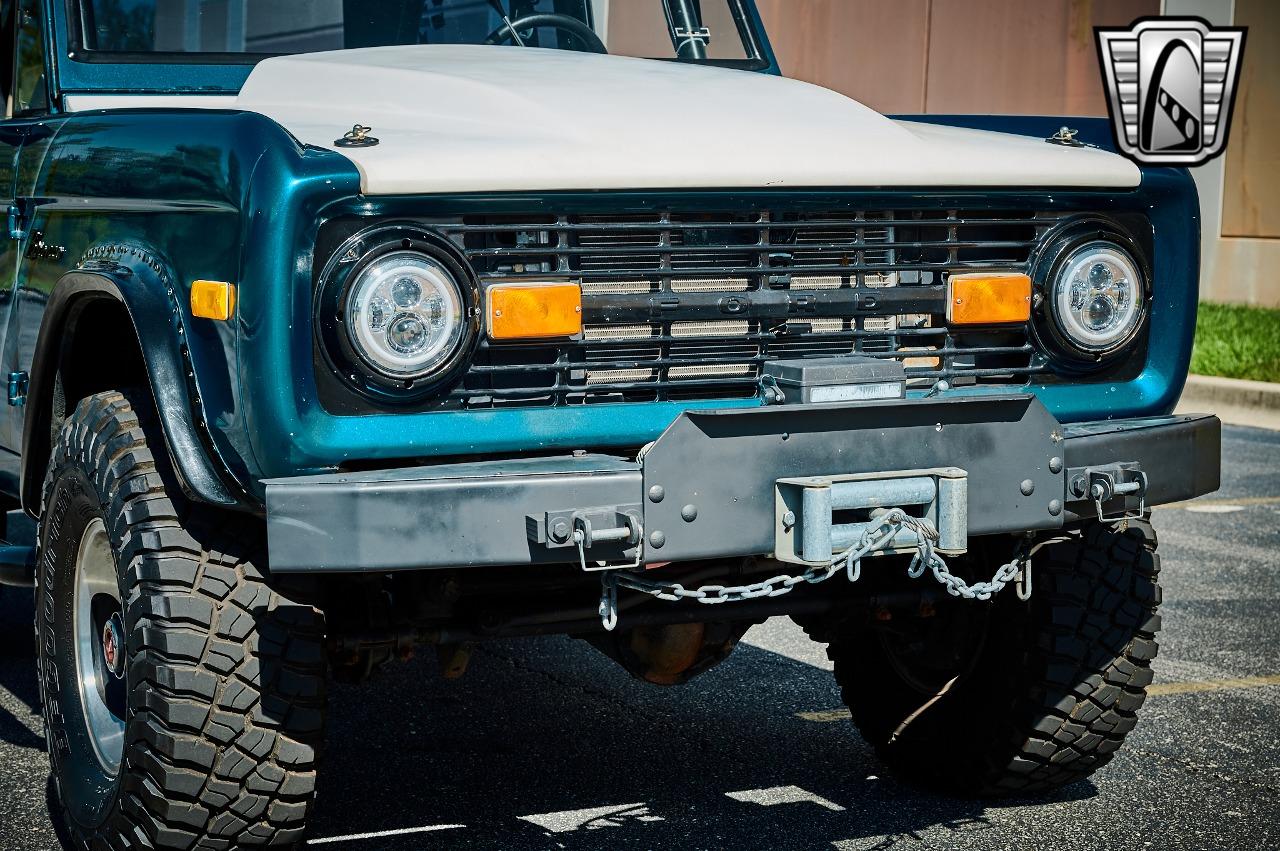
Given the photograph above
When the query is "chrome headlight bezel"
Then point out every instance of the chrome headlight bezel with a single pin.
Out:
(1062, 251)
(354, 357)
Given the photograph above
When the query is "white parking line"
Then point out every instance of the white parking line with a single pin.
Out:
(381, 834)
(782, 795)
(592, 819)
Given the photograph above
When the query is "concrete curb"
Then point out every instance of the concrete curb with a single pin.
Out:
(1248, 403)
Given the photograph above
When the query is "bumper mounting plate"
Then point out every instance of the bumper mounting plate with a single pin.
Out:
(1006, 444)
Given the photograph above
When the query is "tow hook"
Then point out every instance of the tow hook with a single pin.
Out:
(614, 528)
(628, 534)
(1102, 484)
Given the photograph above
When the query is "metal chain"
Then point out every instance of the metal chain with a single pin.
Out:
(887, 525)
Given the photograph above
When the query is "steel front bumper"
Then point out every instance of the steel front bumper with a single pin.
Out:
(707, 487)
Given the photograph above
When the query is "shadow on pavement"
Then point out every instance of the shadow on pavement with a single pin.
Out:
(547, 744)
(543, 727)
(17, 669)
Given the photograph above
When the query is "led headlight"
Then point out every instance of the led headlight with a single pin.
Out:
(1097, 297)
(1092, 293)
(405, 315)
(396, 313)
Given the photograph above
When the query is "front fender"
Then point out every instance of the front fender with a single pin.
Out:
(133, 277)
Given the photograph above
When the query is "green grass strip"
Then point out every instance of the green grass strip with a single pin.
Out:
(1233, 341)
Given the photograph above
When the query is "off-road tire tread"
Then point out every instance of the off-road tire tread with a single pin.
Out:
(227, 674)
(1060, 711)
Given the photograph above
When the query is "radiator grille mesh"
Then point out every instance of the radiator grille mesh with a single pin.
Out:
(689, 306)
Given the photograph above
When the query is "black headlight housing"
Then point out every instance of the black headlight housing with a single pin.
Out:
(384, 250)
(1075, 272)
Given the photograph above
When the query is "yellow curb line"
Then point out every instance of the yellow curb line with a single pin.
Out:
(824, 715)
(1242, 501)
(1156, 690)
(1212, 685)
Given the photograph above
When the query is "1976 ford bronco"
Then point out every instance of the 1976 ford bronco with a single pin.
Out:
(336, 328)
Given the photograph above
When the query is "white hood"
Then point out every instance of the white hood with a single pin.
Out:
(469, 118)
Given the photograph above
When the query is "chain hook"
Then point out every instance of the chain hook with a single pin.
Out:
(1022, 586)
(608, 602)
(880, 536)
(579, 538)
(852, 568)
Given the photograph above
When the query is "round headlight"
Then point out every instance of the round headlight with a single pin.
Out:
(395, 314)
(405, 315)
(1097, 296)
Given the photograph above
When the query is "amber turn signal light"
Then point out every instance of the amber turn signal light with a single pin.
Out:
(988, 298)
(213, 299)
(533, 311)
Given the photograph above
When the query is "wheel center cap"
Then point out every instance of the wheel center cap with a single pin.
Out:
(113, 645)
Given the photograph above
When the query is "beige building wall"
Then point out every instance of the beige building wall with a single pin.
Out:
(1249, 202)
(1239, 196)
(940, 56)
(1038, 57)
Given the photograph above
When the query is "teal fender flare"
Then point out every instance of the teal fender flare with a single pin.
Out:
(135, 278)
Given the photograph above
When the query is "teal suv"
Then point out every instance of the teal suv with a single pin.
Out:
(332, 329)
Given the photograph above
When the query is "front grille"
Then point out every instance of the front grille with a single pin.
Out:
(680, 306)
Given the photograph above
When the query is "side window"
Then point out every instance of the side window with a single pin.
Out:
(30, 93)
(6, 68)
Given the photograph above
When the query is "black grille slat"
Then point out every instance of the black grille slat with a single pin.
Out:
(815, 248)
(656, 291)
(721, 358)
(732, 271)
(746, 382)
(622, 225)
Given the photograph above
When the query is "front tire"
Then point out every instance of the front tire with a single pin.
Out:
(197, 726)
(1013, 697)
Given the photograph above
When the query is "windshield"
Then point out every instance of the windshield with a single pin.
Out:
(248, 30)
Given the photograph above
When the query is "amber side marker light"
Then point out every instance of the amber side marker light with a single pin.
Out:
(533, 311)
(213, 299)
(988, 298)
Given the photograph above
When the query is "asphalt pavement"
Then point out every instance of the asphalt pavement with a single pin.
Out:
(546, 744)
